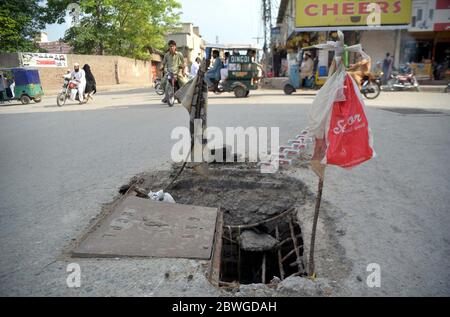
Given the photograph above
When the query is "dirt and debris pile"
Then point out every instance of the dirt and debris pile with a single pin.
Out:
(240, 190)
(252, 241)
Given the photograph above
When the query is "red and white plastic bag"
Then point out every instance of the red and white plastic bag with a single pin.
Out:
(348, 138)
(339, 125)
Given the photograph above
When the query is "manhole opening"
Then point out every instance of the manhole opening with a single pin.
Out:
(249, 262)
(252, 206)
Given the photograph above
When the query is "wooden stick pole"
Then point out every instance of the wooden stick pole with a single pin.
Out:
(313, 234)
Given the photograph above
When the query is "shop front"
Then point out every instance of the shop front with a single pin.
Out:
(317, 21)
(427, 45)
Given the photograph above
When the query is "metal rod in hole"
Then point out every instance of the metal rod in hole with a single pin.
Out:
(264, 269)
(295, 274)
(288, 255)
(280, 263)
(287, 240)
(231, 239)
(294, 240)
(311, 267)
(239, 255)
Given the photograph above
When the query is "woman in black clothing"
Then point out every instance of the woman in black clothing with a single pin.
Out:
(91, 85)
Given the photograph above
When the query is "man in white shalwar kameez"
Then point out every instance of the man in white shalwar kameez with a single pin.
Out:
(80, 76)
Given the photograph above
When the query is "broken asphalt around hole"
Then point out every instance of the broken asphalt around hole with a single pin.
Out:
(246, 196)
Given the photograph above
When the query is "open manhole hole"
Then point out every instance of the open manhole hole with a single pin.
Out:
(260, 252)
(258, 236)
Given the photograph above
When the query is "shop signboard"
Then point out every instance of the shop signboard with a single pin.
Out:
(351, 13)
(430, 15)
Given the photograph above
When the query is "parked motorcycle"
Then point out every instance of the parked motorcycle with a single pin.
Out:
(69, 86)
(403, 81)
(172, 87)
(371, 86)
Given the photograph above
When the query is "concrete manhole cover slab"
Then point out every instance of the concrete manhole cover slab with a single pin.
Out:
(144, 228)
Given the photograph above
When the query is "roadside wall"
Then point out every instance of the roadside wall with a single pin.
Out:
(8, 60)
(107, 70)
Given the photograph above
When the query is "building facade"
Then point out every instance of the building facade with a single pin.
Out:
(55, 47)
(415, 32)
(189, 42)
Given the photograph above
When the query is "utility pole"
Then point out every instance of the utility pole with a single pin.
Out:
(257, 39)
(267, 21)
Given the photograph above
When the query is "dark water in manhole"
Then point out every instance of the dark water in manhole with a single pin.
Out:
(246, 196)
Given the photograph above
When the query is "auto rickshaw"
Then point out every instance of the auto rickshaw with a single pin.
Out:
(321, 60)
(22, 84)
(242, 71)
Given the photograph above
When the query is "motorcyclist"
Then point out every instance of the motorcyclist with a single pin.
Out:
(173, 61)
(80, 77)
(360, 69)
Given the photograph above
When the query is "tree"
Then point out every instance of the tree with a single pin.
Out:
(126, 28)
(20, 23)
(22, 20)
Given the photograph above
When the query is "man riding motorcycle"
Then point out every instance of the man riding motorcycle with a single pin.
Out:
(360, 70)
(80, 77)
(173, 61)
(368, 83)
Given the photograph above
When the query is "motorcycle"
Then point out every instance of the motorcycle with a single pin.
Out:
(403, 81)
(371, 86)
(172, 87)
(217, 87)
(158, 87)
(69, 87)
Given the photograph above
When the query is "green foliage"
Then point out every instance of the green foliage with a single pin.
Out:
(20, 22)
(114, 27)
(126, 28)
(55, 11)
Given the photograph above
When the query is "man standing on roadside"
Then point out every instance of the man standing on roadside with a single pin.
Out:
(387, 68)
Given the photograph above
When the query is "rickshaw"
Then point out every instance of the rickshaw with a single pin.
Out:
(242, 71)
(22, 84)
(317, 80)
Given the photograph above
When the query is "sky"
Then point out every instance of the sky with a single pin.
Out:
(233, 21)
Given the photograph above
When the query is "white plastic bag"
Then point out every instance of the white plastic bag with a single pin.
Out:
(161, 196)
(333, 91)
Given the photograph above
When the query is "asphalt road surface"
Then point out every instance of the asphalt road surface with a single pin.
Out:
(58, 166)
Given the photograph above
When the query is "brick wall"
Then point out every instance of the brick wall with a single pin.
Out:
(8, 60)
(129, 71)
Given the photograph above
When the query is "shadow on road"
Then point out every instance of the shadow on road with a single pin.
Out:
(9, 104)
(417, 111)
(126, 92)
